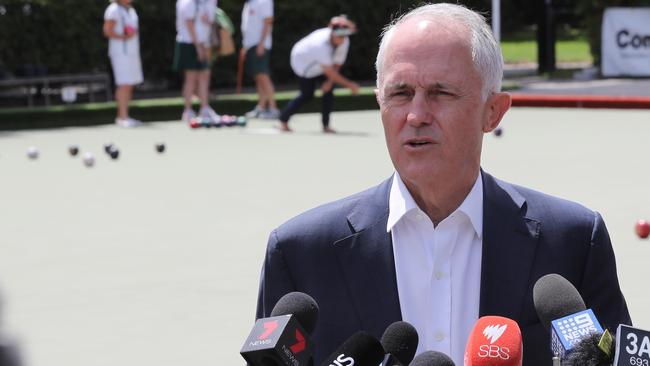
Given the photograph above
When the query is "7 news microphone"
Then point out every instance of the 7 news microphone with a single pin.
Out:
(494, 341)
(573, 327)
(283, 338)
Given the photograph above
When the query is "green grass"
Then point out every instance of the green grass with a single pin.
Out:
(521, 47)
(163, 109)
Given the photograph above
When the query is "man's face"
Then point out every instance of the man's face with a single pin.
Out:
(431, 106)
(337, 40)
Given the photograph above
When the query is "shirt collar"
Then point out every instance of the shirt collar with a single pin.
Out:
(401, 203)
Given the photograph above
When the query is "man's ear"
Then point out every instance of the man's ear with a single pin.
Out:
(377, 97)
(497, 105)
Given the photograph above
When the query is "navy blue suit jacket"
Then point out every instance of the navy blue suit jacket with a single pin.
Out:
(341, 255)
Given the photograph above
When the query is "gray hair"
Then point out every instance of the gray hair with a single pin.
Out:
(486, 53)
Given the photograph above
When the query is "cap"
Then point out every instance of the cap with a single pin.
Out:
(342, 26)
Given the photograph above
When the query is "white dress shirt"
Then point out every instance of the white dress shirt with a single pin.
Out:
(438, 268)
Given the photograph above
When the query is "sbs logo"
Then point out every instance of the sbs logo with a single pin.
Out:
(492, 333)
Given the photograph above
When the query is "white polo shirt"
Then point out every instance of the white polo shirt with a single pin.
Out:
(315, 50)
(438, 269)
(122, 16)
(199, 11)
(252, 23)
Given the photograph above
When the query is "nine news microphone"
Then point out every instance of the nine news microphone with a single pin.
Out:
(597, 349)
(563, 312)
(283, 338)
(432, 358)
(494, 341)
(400, 341)
(361, 349)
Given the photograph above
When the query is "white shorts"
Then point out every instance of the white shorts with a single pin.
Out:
(127, 70)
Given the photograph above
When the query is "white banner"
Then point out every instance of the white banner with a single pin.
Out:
(626, 42)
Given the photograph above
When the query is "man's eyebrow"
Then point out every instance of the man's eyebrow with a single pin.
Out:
(439, 85)
(400, 85)
(434, 86)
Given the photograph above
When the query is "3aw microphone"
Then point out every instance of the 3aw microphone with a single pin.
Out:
(494, 341)
(283, 339)
(562, 311)
(361, 349)
(632, 346)
(400, 341)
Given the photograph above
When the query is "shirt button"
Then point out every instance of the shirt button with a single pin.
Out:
(439, 275)
(439, 336)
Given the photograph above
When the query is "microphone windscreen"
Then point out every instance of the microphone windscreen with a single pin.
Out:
(361, 349)
(555, 297)
(587, 353)
(302, 306)
(400, 340)
(432, 358)
(494, 341)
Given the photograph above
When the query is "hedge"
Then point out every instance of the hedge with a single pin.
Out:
(65, 36)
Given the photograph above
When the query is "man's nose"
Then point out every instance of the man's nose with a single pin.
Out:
(419, 112)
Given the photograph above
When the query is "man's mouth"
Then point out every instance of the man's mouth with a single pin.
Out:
(418, 142)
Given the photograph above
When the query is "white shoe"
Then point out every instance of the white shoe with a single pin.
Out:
(188, 116)
(210, 115)
(127, 122)
(270, 114)
(255, 113)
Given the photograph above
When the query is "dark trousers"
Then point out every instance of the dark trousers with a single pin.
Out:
(307, 88)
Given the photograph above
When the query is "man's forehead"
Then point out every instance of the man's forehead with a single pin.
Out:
(423, 25)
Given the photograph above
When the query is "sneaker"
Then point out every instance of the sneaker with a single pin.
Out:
(255, 113)
(210, 115)
(127, 122)
(188, 116)
(270, 114)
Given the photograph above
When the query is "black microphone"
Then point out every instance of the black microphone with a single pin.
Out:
(361, 349)
(302, 306)
(400, 341)
(555, 297)
(597, 349)
(283, 338)
(563, 312)
(432, 358)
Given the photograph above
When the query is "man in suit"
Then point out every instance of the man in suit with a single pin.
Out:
(441, 242)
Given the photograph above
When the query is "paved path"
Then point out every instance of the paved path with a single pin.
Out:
(154, 259)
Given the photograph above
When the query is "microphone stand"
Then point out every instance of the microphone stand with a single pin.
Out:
(556, 361)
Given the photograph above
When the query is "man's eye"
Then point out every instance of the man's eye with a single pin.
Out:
(441, 93)
(400, 93)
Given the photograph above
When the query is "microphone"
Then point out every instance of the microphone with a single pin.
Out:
(632, 346)
(494, 341)
(400, 341)
(432, 358)
(302, 306)
(555, 297)
(562, 311)
(283, 338)
(361, 349)
(596, 349)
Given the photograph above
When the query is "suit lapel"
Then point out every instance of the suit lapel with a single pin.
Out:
(509, 244)
(366, 260)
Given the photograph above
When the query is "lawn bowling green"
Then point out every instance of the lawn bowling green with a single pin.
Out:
(154, 259)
